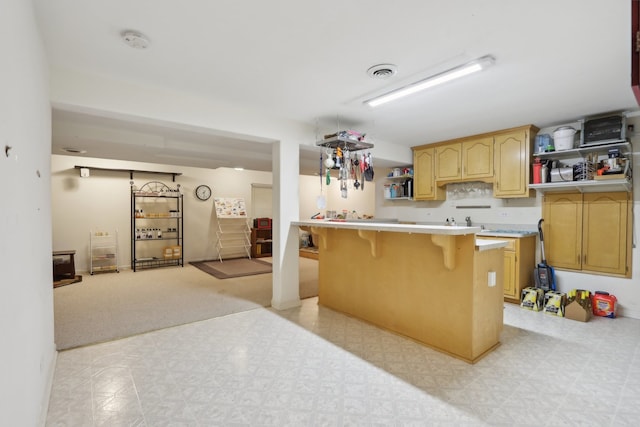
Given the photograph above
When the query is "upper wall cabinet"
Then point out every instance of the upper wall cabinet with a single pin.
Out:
(512, 157)
(449, 162)
(468, 160)
(424, 176)
(477, 158)
(503, 158)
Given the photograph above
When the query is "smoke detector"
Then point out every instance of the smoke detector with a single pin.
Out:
(135, 39)
(382, 71)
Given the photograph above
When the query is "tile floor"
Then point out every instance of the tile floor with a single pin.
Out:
(310, 366)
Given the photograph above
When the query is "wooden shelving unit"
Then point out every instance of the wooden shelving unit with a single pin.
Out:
(261, 242)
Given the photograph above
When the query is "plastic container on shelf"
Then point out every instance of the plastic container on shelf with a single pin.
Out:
(537, 171)
(543, 143)
(387, 191)
(564, 138)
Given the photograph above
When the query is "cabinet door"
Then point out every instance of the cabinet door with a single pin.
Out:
(511, 159)
(510, 269)
(424, 176)
(477, 158)
(562, 228)
(604, 244)
(449, 162)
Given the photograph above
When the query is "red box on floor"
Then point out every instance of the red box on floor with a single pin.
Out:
(604, 305)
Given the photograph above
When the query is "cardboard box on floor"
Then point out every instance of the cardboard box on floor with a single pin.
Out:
(532, 298)
(554, 303)
(579, 305)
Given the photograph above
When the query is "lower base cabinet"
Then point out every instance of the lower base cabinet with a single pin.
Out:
(519, 262)
(589, 232)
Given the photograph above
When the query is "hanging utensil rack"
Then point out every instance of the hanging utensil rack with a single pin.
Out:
(344, 142)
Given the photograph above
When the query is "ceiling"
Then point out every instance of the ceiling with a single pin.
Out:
(556, 62)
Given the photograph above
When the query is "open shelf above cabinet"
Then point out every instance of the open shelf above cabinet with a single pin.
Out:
(625, 149)
(610, 183)
(585, 186)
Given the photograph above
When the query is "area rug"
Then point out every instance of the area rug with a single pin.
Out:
(236, 267)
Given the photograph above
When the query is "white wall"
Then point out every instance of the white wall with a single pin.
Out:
(26, 303)
(102, 202)
(524, 214)
(361, 201)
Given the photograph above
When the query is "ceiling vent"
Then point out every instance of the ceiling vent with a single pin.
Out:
(382, 71)
(135, 39)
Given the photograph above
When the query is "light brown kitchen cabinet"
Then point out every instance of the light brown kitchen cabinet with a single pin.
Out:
(589, 232)
(519, 262)
(477, 158)
(467, 160)
(562, 227)
(424, 185)
(512, 159)
(449, 162)
(502, 158)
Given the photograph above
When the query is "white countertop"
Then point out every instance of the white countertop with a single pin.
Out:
(488, 244)
(451, 230)
(509, 233)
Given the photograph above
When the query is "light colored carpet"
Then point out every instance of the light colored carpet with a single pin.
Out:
(104, 307)
(237, 267)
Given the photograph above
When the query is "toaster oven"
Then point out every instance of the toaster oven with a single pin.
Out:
(603, 130)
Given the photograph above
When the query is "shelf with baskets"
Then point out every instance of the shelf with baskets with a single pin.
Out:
(103, 252)
(157, 226)
(584, 163)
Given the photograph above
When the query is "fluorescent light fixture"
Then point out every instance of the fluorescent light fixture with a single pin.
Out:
(238, 168)
(437, 79)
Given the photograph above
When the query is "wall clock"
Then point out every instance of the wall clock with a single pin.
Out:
(203, 192)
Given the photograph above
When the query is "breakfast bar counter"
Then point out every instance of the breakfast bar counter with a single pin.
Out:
(438, 285)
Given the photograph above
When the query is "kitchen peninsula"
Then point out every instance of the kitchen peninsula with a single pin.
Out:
(438, 285)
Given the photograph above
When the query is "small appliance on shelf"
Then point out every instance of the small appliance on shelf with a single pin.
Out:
(262, 223)
(603, 130)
